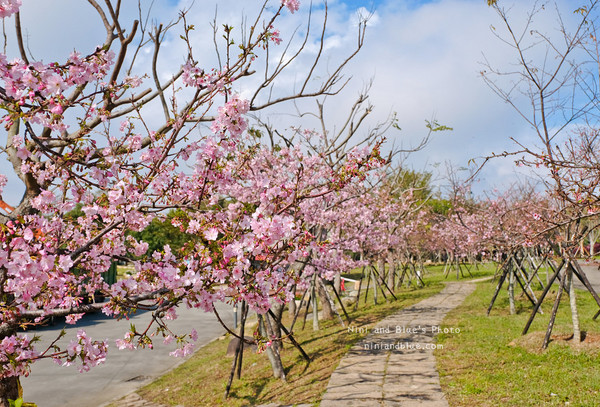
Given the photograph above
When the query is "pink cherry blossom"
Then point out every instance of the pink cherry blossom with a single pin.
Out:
(292, 5)
(104, 168)
(9, 7)
(211, 234)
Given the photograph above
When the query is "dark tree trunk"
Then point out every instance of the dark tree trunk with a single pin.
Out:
(273, 350)
(326, 308)
(337, 282)
(277, 311)
(391, 277)
(9, 389)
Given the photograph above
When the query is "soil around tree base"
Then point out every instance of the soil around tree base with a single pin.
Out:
(532, 342)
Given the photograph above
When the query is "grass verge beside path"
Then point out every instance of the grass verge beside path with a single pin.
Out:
(489, 363)
(201, 380)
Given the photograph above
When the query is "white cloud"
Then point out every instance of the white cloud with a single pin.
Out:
(424, 59)
(426, 62)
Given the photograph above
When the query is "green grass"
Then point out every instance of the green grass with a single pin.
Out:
(489, 363)
(201, 380)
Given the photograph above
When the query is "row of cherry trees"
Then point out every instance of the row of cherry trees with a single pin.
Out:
(112, 138)
(121, 146)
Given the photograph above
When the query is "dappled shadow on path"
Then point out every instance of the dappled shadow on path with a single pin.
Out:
(394, 365)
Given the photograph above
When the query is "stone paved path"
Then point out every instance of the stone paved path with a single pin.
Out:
(391, 366)
(134, 400)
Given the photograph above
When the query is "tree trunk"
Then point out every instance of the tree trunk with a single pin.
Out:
(592, 244)
(511, 290)
(337, 282)
(329, 299)
(381, 270)
(391, 273)
(277, 310)
(315, 307)
(458, 270)
(374, 286)
(573, 303)
(292, 303)
(272, 351)
(326, 308)
(9, 389)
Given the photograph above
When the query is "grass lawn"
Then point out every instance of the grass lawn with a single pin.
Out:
(201, 381)
(489, 363)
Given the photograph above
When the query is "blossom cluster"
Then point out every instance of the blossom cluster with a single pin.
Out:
(292, 5)
(194, 76)
(9, 7)
(85, 351)
(249, 213)
(231, 118)
(38, 90)
(16, 354)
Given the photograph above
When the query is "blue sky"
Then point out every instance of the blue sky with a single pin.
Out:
(363, 3)
(424, 58)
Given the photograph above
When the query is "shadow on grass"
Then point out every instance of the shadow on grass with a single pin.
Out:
(206, 374)
(257, 387)
(483, 364)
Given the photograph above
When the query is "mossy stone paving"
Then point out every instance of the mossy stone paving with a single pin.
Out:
(394, 365)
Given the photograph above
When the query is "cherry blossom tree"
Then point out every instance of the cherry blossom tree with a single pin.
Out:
(85, 133)
(555, 89)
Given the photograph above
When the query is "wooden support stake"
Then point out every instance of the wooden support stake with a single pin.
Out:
(368, 283)
(298, 310)
(239, 352)
(521, 269)
(468, 267)
(552, 317)
(374, 284)
(378, 280)
(584, 280)
(315, 304)
(332, 304)
(544, 293)
(498, 288)
(404, 268)
(341, 305)
(235, 359)
(242, 329)
(532, 300)
(362, 276)
(292, 339)
(536, 269)
(308, 301)
(388, 288)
